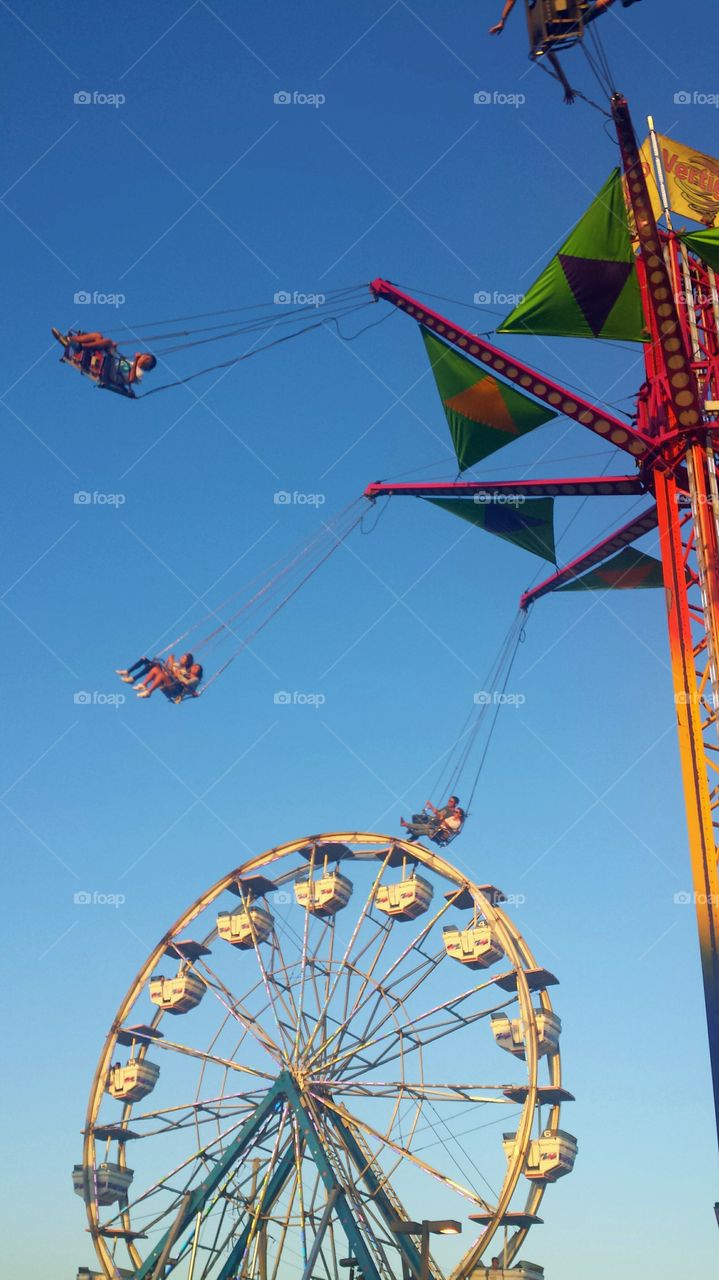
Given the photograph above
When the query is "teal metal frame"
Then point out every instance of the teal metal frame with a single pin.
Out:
(284, 1090)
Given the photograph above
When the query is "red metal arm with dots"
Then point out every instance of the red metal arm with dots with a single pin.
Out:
(622, 538)
(553, 394)
(585, 486)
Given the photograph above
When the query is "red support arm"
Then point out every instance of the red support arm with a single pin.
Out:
(551, 393)
(585, 486)
(603, 550)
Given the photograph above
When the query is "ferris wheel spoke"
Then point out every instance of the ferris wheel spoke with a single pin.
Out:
(285, 1030)
(355, 1123)
(426, 965)
(406, 1033)
(237, 1010)
(344, 963)
(283, 985)
(303, 979)
(174, 1046)
(190, 1114)
(469, 1093)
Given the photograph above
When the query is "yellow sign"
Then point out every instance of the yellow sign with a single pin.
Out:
(691, 178)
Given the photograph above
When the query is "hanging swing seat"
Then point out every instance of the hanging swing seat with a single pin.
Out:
(110, 371)
(175, 691)
(444, 837)
(554, 25)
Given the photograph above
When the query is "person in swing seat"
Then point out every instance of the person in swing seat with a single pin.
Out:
(588, 10)
(176, 669)
(177, 678)
(99, 358)
(188, 679)
(439, 825)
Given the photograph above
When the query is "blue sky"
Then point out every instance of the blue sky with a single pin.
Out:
(199, 192)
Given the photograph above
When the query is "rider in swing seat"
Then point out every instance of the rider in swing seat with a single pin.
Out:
(558, 17)
(438, 825)
(177, 677)
(98, 357)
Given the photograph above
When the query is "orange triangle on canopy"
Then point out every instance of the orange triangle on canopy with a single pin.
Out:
(484, 403)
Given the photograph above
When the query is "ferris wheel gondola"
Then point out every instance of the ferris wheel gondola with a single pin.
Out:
(301, 1103)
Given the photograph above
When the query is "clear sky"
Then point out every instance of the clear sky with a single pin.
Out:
(198, 192)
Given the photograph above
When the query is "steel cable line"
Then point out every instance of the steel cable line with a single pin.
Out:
(337, 542)
(496, 687)
(225, 364)
(206, 315)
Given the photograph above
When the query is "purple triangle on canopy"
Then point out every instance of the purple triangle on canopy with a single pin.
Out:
(596, 285)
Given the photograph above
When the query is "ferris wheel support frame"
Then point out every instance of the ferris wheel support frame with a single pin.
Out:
(672, 443)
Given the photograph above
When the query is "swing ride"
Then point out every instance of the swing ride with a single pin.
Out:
(303, 1095)
(664, 295)
(312, 1102)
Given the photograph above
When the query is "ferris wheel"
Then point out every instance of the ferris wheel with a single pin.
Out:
(307, 1075)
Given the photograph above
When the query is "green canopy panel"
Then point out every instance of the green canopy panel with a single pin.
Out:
(527, 522)
(630, 569)
(483, 413)
(705, 244)
(591, 288)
